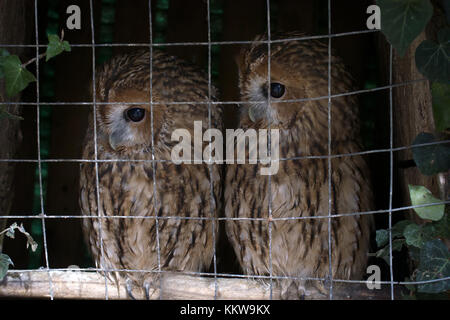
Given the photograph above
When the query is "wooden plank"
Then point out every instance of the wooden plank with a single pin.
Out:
(91, 285)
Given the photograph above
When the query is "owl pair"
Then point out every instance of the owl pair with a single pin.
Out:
(150, 215)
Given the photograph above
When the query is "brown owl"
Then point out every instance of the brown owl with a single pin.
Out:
(299, 190)
(132, 189)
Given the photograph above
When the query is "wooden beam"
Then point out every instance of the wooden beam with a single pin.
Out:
(91, 285)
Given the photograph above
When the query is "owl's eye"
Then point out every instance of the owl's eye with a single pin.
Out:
(135, 114)
(277, 90)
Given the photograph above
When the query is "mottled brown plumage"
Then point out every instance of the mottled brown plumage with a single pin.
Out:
(300, 187)
(127, 188)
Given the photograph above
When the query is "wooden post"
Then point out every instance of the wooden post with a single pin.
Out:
(13, 25)
(412, 112)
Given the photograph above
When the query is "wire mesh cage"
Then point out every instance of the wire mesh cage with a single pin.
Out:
(42, 156)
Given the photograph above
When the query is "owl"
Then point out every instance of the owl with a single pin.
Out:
(293, 240)
(121, 228)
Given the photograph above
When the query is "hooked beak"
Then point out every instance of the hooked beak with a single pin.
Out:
(115, 140)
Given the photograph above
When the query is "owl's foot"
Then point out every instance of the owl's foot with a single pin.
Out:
(304, 289)
(149, 288)
(129, 288)
(296, 290)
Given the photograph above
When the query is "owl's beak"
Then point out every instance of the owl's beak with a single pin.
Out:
(114, 140)
(257, 112)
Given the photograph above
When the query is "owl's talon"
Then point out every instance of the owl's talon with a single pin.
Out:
(129, 288)
(295, 290)
(147, 287)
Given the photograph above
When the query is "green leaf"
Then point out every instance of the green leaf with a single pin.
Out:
(55, 46)
(383, 253)
(433, 59)
(434, 264)
(441, 105)
(431, 159)
(399, 227)
(441, 228)
(416, 235)
(66, 46)
(3, 53)
(413, 235)
(421, 195)
(382, 237)
(5, 261)
(397, 244)
(17, 77)
(403, 20)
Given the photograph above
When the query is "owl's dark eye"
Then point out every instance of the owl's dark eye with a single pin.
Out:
(277, 90)
(135, 114)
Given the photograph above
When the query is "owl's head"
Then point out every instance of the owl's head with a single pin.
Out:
(126, 123)
(125, 114)
(298, 71)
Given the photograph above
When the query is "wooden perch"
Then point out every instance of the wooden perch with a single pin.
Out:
(91, 285)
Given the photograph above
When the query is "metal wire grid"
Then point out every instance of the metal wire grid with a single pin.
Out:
(43, 216)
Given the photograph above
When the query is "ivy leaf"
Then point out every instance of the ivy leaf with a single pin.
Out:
(413, 236)
(416, 235)
(383, 253)
(17, 77)
(55, 46)
(3, 53)
(434, 264)
(421, 195)
(433, 59)
(382, 237)
(5, 261)
(399, 227)
(10, 232)
(441, 228)
(441, 105)
(397, 244)
(403, 20)
(30, 241)
(431, 159)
